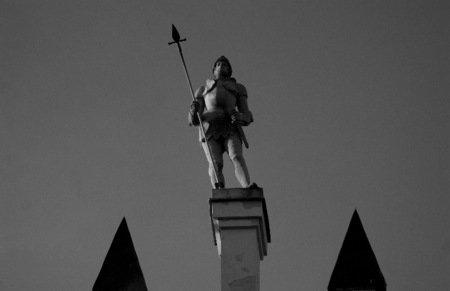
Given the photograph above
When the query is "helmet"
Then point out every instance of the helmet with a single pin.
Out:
(225, 60)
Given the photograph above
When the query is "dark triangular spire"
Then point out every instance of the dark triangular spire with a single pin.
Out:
(121, 270)
(356, 266)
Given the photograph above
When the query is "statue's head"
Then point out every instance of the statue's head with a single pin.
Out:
(222, 68)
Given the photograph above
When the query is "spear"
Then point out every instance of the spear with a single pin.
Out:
(177, 39)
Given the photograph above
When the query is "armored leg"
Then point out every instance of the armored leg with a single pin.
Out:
(217, 151)
(233, 146)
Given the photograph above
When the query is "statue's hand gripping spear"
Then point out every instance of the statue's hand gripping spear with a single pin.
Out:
(177, 40)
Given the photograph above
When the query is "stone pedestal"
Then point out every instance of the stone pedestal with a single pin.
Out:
(241, 233)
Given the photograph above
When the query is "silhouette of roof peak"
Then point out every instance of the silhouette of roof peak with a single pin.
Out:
(121, 269)
(356, 266)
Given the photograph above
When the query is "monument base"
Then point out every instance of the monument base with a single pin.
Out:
(241, 232)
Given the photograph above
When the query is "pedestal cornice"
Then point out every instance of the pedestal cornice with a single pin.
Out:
(244, 207)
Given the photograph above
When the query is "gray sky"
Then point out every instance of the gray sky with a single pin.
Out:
(351, 108)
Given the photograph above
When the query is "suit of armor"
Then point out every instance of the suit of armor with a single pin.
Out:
(222, 105)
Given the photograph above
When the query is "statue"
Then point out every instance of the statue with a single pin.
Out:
(222, 105)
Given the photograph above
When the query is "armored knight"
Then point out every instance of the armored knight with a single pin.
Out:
(222, 105)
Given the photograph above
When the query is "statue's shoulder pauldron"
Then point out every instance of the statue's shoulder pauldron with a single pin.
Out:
(237, 89)
(230, 84)
(210, 84)
(200, 92)
(241, 90)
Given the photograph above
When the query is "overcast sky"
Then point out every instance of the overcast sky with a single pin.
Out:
(351, 108)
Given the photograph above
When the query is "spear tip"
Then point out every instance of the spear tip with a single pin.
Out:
(175, 34)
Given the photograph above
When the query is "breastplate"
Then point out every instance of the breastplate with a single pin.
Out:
(220, 98)
(218, 104)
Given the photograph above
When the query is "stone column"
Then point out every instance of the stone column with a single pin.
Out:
(241, 233)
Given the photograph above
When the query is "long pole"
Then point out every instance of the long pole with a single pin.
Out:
(177, 40)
